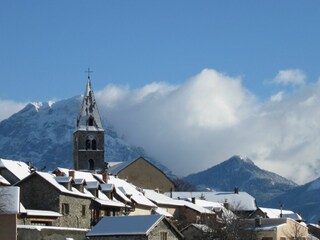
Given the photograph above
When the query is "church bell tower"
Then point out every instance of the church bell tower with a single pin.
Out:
(88, 137)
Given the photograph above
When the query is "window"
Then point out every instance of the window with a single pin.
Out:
(163, 235)
(65, 209)
(83, 210)
(88, 144)
(91, 164)
(94, 144)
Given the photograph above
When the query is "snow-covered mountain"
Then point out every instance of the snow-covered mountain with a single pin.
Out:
(42, 133)
(303, 199)
(241, 172)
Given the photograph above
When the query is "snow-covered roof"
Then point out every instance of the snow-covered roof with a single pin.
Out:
(4, 181)
(160, 198)
(195, 207)
(78, 181)
(129, 189)
(51, 179)
(239, 201)
(115, 169)
(39, 228)
(201, 227)
(207, 204)
(106, 187)
(88, 176)
(92, 185)
(162, 211)
(63, 179)
(42, 213)
(105, 201)
(276, 213)
(10, 200)
(89, 109)
(125, 225)
(17, 168)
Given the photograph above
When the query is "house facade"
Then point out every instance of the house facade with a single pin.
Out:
(144, 174)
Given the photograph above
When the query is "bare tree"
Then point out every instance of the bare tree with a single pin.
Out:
(295, 230)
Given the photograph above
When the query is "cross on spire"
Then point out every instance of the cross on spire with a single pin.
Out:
(88, 72)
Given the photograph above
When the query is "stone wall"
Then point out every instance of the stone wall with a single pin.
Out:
(75, 218)
(163, 226)
(50, 233)
(37, 193)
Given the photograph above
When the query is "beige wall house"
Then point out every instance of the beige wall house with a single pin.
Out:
(278, 229)
(142, 173)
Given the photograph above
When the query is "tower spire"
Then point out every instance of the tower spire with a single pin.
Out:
(88, 151)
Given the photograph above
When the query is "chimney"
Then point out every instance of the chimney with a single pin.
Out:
(105, 177)
(71, 174)
(226, 204)
(193, 199)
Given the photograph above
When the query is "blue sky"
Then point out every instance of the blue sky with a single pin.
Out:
(47, 45)
(189, 81)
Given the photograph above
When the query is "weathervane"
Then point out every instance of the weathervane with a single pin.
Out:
(88, 72)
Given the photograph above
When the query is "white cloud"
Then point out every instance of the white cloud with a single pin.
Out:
(211, 117)
(8, 107)
(277, 97)
(290, 76)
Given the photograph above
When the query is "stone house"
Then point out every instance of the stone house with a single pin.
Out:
(142, 173)
(151, 227)
(196, 231)
(41, 191)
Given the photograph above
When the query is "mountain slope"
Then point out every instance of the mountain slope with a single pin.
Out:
(43, 134)
(244, 174)
(304, 199)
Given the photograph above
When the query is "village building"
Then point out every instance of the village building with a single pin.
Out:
(165, 205)
(241, 203)
(62, 198)
(196, 231)
(276, 228)
(9, 208)
(133, 196)
(148, 227)
(142, 173)
(275, 213)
